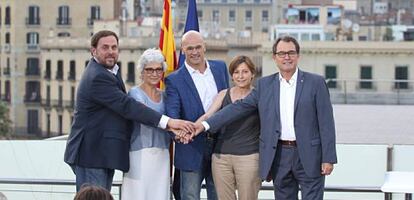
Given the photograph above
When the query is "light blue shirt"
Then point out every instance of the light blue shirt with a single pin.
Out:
(144, 136)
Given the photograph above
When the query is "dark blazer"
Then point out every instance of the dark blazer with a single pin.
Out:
(183, 102)
(101, 128)
(313, 121)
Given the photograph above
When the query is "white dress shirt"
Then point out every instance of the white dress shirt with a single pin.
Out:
(287, 106)
(205, 84)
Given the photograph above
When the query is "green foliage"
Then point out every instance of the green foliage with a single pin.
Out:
(5, 122)
(388, 35)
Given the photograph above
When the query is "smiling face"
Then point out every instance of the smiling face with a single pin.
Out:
(242, 76)
(152, 73)
(192, 45)
(287, 61)
(106, 51)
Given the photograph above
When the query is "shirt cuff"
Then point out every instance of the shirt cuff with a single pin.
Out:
(206, 126)
(163, 122)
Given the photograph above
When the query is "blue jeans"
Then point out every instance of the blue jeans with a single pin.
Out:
(93, 176)
(190, 185)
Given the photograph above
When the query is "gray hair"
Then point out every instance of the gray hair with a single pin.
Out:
(151, 55)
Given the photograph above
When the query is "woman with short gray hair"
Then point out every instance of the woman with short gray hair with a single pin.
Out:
(149, 175)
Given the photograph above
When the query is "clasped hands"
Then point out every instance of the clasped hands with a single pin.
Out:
(184, 131)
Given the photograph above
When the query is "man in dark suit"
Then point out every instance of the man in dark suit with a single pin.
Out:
(99, 138)
(190, 92)
(297, 137)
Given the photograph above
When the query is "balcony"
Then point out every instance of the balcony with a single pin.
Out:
(33, 22)
(72, 76)
(6, 71)
(64, 22)
(32, 97)
(59, 76)
(33, 48)
(89, 22)
(6, 48)
(33, 72)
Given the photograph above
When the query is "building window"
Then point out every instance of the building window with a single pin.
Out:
(32, 121)
(131, 72)
(7, 19)
(72, 97)
(248, 16)
(60, 124)
(7, 38)
(48, 95)
(33, 18)
(216, 16)
(32, 91)
(95, 14)
(32, 67)
(48, 125)
(200, 15)
(7, 90)
(240, 1)
(119, 63)
(48, 69)
(401, 74)
(265, 15)
(330, 73)
(60, 96)
(334, 16)
(72, 70)
(59, 72)
(366, 77)
(232, 15)
(63, 18)
(6, 70)
(32, 40)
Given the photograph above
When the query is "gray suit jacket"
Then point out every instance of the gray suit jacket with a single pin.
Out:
(102, 127)
(313, 121)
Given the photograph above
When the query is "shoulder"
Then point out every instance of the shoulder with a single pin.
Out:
(135, 91)
(312, 76)
(267, 79)
(176, 74)
(216, 63)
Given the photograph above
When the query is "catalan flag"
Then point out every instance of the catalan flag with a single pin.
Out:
(167, 43)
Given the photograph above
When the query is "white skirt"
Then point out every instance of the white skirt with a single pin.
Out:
(149, 175)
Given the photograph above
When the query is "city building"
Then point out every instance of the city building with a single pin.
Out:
(24, 25)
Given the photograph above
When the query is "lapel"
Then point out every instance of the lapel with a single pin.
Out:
(276, 96)
(216, 75)
(120, 82)
(190, 83)
(299, 87)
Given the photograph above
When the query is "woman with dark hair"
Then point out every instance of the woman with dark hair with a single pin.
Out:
(235, 159)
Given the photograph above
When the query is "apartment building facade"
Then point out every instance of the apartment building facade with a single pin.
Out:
(24, 25)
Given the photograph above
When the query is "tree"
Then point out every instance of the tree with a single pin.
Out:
(5, 122)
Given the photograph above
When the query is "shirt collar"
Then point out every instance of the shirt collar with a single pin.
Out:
(292, 79)
(192, 70)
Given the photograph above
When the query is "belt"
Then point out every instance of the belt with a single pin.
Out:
(288, 143)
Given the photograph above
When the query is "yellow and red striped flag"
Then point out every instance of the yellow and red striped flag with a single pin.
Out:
(167, 42)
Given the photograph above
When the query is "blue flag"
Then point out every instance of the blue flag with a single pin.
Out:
(190, 24)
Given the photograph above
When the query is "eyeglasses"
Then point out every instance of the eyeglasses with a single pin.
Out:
(282, 54)
(151, 70)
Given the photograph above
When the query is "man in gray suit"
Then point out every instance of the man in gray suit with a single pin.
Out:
(297, 137)
(99, 139)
